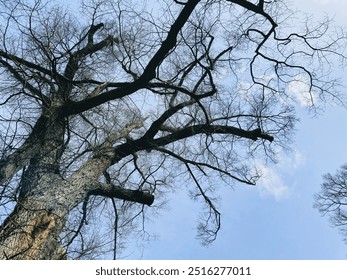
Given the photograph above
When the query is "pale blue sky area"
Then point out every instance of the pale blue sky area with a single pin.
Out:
(276, 219)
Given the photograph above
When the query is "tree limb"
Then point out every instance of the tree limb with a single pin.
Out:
(112, 191)
(148, 74)
(212, 129)
(11, 164)
(145, 143)
(18, 60)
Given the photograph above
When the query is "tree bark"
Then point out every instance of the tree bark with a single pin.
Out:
(45, 198)
(32, 230)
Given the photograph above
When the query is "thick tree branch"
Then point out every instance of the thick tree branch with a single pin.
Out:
(212, 129)
(92, 32)
(144, 143)
(112, 191)
(11, 164)
(78, 56)
(258, 9)
(154, 128)
(169, 42)
(94, 167)
(148, 74)
(20, 61)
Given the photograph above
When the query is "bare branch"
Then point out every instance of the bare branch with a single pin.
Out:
(112, 191)
(148, 73)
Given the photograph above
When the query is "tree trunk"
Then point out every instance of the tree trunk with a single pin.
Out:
(32, 229)
(32, 232)
(46, 198)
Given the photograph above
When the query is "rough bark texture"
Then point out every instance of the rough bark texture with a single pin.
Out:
(45, 199)
(31, 233)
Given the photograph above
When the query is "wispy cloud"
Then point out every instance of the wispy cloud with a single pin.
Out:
(300, 91)
(276, 180)
(271, 182)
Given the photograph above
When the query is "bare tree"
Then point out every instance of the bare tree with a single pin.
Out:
(104, 110)
(332, 199)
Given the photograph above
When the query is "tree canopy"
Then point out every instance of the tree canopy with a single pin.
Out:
(105, 110)
(332, 199)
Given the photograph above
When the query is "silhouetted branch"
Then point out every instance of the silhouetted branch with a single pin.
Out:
(112, 191)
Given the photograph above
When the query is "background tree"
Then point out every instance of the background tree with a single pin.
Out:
(104, 110)
(332, 199)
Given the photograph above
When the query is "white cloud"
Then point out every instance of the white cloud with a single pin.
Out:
(276, 180)
(299, 90)
(291, 161)
(271, 182)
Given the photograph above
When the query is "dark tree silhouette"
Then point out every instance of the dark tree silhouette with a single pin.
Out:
(105, 110)
(332, 199)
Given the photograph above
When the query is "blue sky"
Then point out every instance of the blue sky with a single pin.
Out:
(275, 219)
